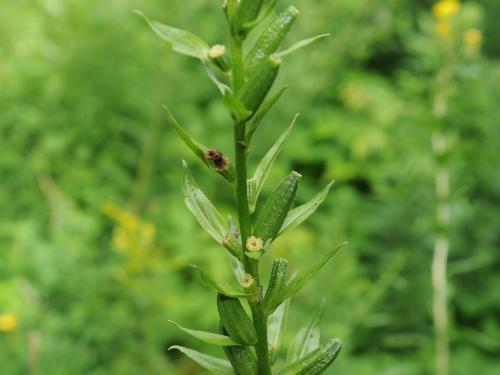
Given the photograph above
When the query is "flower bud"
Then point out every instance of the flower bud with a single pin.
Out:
(270, 39)
(273, 214)
(259, 83)
(235, 320)
(248, 10)
(233, 244)
(277, 283)
(217, 55)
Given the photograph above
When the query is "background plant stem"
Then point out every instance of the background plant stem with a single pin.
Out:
(441, 240)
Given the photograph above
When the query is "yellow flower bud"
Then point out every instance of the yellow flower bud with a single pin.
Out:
(254, 244)
(8, 322)
(444, 9)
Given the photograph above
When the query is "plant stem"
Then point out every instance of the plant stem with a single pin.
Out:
(251, 266)
(441, 240)
(238, 67)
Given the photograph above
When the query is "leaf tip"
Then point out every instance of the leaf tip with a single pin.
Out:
(139, 13)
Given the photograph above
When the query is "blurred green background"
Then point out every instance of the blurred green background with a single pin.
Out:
(95, 242)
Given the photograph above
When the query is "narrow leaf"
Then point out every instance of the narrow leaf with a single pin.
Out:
(301, 213)
(262, 112)
(236, 267)
(212, 364)
(224, 288)
(298, 282)
(181, 41)
(301, 44)
(207, 215)
(236, 107)
(316, 362)
(266, 164)
(208, 337)
(275, 328)
(307, 339)
(223, 88)
(198, 149)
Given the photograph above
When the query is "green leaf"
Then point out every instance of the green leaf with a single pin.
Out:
(212, 364)
(223, 88)
(265, 166)
(236, 267)
(295, 284)
(198, 149)
(234, 104)
(316, 362)
(301, 213)
(307, 339)
(275, 328)
(301, 44)
(208, 337)
(236, 107)
(181, 41)
(261, 113)
(224, 288)
(207, 215)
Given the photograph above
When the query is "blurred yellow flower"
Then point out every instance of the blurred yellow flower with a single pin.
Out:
(473, 38)
(443, 29)
(8, 322)
(445, 9)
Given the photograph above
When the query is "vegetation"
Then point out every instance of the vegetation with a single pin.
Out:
(97, 243)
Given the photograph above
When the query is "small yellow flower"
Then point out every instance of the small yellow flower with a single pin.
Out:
(473, 38)
(254, 244)
(8, 322)
(445, 9)
(246, 280)
(443, 29)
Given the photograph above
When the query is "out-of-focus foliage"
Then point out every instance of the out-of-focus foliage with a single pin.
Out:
(95, 243)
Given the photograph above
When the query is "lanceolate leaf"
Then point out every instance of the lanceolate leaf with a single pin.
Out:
(224, 288)
(201, 207)
(301, 44)
(298, 282)
(208, 337)
(307, 339)
(223, 88)
(265, 166)
(237, 267)
(212, 364)
(275, 328)
(181, 41)
(315, 362)
(198, 149)
(261, 113)
(301, 213)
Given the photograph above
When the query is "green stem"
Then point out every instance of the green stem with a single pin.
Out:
(238, 67)
(251, 266)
